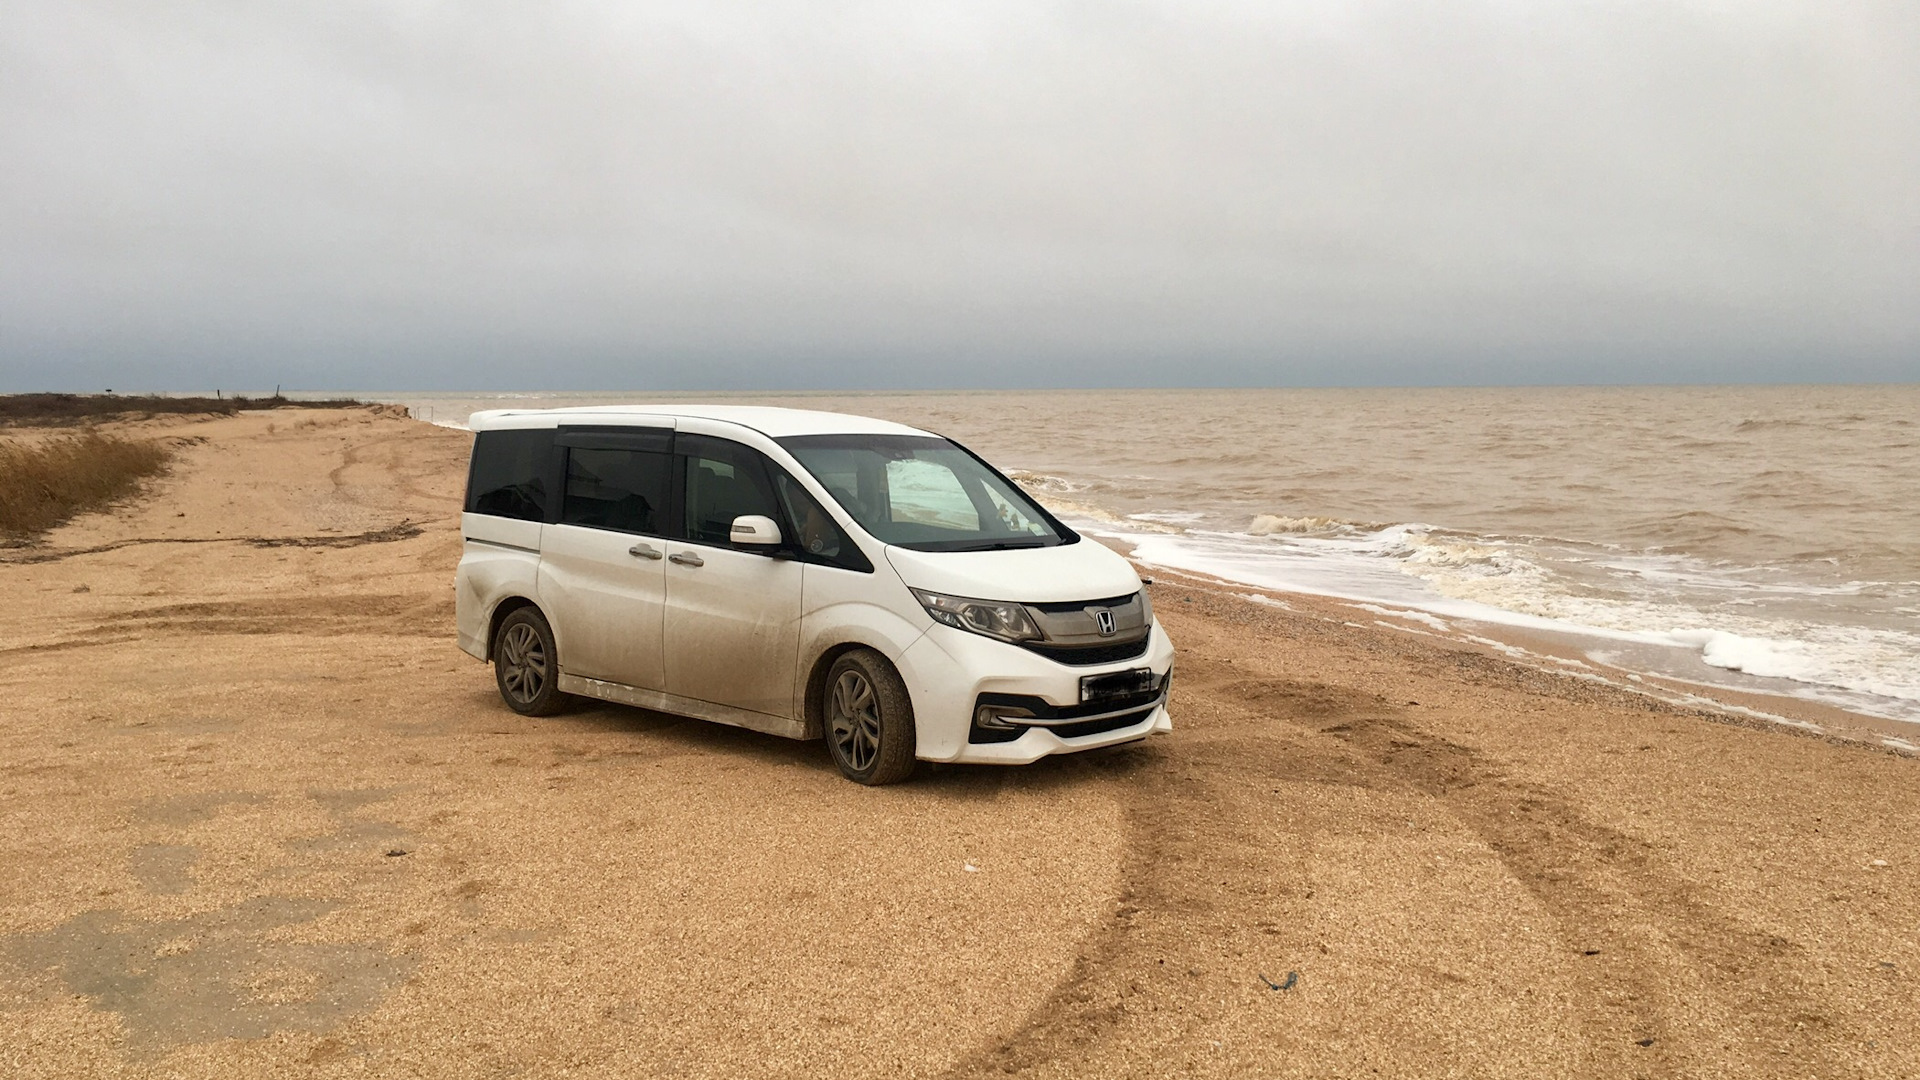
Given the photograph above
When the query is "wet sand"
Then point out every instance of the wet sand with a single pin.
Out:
(262, 818)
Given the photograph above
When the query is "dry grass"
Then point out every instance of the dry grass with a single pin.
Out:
(64, 409)
(44, 483)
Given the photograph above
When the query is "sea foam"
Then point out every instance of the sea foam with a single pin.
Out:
(1417, 572)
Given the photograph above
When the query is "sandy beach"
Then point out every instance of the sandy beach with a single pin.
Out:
(263, 818)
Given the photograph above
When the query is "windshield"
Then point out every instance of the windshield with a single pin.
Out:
(925, 493)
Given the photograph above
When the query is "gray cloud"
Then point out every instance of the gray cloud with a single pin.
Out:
(624, 196)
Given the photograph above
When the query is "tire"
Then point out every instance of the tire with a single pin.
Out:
(868, 719)
(525, 664)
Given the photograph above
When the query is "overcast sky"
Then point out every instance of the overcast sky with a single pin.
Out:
(625, 195)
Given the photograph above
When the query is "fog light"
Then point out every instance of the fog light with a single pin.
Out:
(1000, 717)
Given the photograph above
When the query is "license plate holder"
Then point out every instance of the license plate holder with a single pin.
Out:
(1115, 685)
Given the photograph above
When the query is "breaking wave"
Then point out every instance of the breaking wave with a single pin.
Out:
(1277, 524)
(1730, 619)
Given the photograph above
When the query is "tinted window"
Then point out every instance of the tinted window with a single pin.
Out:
(508, 477)
(814, 531)
(623, 490)
(723, 481)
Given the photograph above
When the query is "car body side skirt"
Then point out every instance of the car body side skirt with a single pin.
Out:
(659, 701)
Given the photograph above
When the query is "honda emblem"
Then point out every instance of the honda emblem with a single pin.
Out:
(1103, 617)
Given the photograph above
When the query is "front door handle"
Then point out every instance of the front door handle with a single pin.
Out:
(644, 551)
(686, 558)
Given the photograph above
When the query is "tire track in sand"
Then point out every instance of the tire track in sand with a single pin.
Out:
(405, 530)
(1636, 934)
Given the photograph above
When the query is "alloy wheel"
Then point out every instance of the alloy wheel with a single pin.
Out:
(854, 720)
(523, 663)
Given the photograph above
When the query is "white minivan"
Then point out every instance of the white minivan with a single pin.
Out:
(802, 573)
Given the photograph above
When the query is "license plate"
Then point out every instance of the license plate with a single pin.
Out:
(1118, 684)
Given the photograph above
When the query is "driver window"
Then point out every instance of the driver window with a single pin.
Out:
(815, 531)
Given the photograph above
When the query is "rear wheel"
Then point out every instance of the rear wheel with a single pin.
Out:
(525, 664)
(869, 719)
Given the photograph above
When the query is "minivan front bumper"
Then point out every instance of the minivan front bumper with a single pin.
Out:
(949, 671)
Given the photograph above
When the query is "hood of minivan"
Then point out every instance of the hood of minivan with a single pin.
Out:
(1083, 571)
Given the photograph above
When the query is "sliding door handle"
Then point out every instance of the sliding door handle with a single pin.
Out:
(686, 558)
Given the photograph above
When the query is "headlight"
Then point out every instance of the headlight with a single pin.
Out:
(1146, 607)
(993, 618)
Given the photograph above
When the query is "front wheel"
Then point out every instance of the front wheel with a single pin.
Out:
(525, 664)
(869, 719)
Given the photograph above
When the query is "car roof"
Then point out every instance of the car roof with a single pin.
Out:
(769, 421)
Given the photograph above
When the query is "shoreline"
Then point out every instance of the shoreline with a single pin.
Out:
(1569, 655)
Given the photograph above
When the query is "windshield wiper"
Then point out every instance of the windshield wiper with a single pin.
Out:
(1005, 545)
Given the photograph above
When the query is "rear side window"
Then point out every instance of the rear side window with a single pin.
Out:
(623, 490)
(508, 477)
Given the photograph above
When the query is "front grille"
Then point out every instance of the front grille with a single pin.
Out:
(1083, 655)
(1072, 633)
(1077, 606)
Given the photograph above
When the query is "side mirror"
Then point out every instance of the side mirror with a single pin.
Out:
(754, 529)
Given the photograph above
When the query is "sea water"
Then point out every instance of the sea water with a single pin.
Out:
(1770, 534)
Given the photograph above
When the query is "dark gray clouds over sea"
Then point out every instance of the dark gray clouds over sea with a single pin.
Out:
(819, 195)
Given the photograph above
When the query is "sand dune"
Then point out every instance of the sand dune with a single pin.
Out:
(262, 818)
